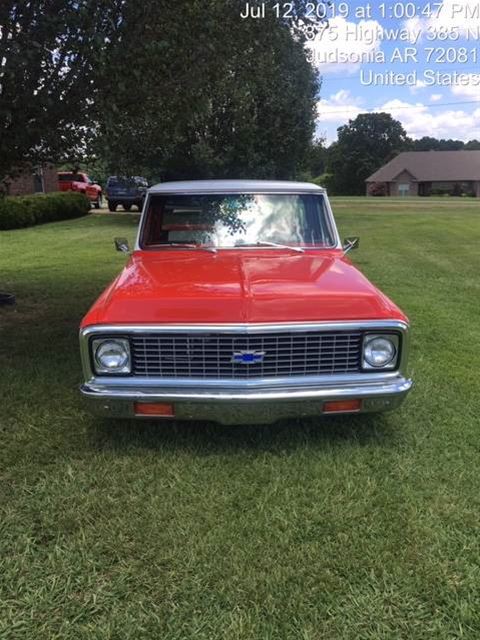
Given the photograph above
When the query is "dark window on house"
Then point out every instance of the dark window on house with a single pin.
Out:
(38, 185)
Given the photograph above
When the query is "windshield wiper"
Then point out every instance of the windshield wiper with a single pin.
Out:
(187, 245)
(266, 243)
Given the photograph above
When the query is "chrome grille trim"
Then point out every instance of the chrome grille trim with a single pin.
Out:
(129, 330)
(209, 355)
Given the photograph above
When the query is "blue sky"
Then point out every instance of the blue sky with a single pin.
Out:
(438, 97)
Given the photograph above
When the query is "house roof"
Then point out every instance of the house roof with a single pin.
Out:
(235, 186)
(431, 166)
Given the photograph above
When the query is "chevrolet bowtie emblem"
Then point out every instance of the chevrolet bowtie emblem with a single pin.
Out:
(248, 357)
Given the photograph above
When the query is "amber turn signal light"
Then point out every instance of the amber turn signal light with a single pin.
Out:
(159, 409)
(342, 406)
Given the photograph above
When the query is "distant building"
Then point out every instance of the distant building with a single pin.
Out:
(43, 179)
(425, 173)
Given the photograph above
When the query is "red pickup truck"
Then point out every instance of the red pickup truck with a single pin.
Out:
(77, 181)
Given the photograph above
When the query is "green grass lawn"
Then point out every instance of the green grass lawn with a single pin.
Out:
(340, 528)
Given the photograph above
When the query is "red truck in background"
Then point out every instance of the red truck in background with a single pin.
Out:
(78, 181)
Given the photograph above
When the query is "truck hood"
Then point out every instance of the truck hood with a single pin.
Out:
(239, 286)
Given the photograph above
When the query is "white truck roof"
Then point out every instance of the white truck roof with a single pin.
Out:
(235, 186)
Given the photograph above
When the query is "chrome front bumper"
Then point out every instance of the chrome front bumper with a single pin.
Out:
(249, 401)
(245, 405)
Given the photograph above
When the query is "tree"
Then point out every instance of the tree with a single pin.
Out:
(180, 88)
(48, 53)
(433, 144)
(363, 146)
(472, 145)
(195, 91)
(316, 158)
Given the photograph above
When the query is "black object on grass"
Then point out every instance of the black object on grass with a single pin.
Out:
(6, 298)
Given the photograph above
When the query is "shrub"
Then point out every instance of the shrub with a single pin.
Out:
(25, 211)
(456, 190)
(326, 180)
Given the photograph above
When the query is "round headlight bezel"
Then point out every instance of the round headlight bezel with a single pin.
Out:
(122, 346)
(369, 363)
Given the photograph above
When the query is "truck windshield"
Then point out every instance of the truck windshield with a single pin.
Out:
(71, 177)
(237, 220)
(123, 183)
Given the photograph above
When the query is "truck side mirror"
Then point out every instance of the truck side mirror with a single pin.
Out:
(121, 244)
(351, 243)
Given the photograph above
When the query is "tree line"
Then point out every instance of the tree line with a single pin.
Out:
(176, 89)
(364, 145)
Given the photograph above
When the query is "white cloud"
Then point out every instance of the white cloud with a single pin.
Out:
(419, 84)
(344, 46)
(339, 108)
(418, 119)
(469, 90)
(461, 17)
(435, 97)
(413, 27)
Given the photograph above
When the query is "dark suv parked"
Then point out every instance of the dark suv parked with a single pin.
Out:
(126, 191)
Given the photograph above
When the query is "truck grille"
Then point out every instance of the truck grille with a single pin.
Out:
(241, 356)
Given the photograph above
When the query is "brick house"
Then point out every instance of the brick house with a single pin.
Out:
(425, 173)
(43, 179)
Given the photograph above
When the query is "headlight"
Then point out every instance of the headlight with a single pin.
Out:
(380, 351)
(111, 355)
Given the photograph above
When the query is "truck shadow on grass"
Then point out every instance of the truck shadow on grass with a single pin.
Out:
(210, 437)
